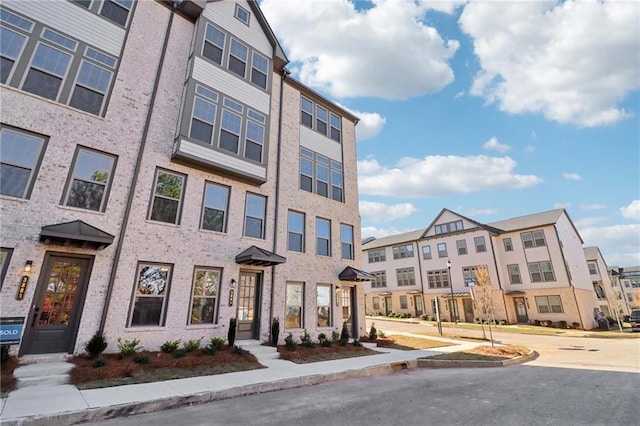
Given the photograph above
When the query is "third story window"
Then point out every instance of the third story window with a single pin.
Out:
(255, 212)
(90, 181)
(238, 58)
(377, 255)
(403, 252)
(116, 10)
(20, 156)
(320, 119)
(438, 278)
(533, 239)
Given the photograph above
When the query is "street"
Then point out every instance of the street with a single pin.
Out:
(575, 381)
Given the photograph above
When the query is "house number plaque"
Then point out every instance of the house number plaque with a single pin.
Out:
(22, 287)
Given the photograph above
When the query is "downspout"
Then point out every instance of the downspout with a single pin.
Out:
(421, 280)
(495, 264)
(134, 182)
(283, 76)
(569, 278)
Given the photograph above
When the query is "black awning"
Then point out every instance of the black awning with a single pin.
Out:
(515, 293)
(352, 274)
(76, 233)
(259, 257)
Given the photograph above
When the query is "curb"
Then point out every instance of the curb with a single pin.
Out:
(105, 413)
(445, 363)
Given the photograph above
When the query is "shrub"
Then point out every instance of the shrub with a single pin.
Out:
(141, 359)
(575, 324)
(289, 343)
(326, 343)
(562, 324)
(99, 362)
(217, 343)
(357, 342)
(611, 321)
(231, 334)
(322, 337)
(179, 353)
(306, 341)
(335, 336)
(275, 331)
(170, 346)
(96, 345)
(344, 335)
(381, 334)
(239, 351)
(128, 347)
(208, 350)
(192, 345)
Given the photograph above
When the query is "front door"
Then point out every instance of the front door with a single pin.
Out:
(248, 299)
(417, 302)
(521, 310)
(467, 304)
(57, 305)
(453, 310)
(347, 308)
(388, 307)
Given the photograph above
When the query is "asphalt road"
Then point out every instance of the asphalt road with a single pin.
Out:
(573, 382)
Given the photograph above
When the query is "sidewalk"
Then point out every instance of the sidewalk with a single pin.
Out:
(65, 404)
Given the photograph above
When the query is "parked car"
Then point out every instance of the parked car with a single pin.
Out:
(634, 319)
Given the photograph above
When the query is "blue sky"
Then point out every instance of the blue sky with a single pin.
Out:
(493, 109)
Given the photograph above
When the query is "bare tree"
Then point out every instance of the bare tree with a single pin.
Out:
(483, 298)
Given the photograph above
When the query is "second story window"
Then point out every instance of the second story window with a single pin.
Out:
(426, 252)
(541, 272)
(318, 174)
(90, 181)
(480, 244)
(514, 274)
(377, 255)
(254, 140)
(508, 245)
(461, 245)
(204, 114)
(346, 241)
(255, 212)
(593, 268)
(215, 207)
(403, 252)
(166, 202)
(442, 250)
(380, 281)
(295, 240)
(230, 126)
(405, 277)
(20, 157)
(533, 239)
(323, 237)
(438, 278)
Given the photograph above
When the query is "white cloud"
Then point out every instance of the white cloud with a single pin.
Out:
(385, 51)
(592, 206)
(440, 175)
(572, 61)
(370, 124)
(632, 211)
(571, 176)
(379, 212)
(372, 231)
(564, 205)
(619, 244)
(495, 145)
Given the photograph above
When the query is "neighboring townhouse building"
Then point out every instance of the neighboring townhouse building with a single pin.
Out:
(162, 173)
(628, 281)
(535, 264)
(608, 290)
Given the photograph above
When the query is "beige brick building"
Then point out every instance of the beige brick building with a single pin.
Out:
(162, 173)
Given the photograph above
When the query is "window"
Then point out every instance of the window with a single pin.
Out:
(438, 278)
(213, 44)
(215, 207)
(346, 241)
(323, 303)
(376, 303)
(230, 129)
(167, 198)
(11, 44)
(83, 3)
(91, 88)
(377, 255)
(90, 180)
(541, 271)
(403, 252)
(508, 246)
(295, 298)
(204, 114)
(259, 70)
(317, 173)
(20, 157)
(238, 58)
(403, 302)
(323, 237)
(322, 175)
(446, 228)
(442, 250)
(549, 304)
(204, 296)
(254, 140)
(307, 112)
(593, 268)
(296, 232)
(336, 128)
(320, 119)
(533, 239)
(426, 252)
(255, 212)
(380, 281)
(462, 247)
(405, 276)
(242, 14)
(5, 257)
(480, 244)
(48, 69)
(336, 181)
(469, 274)
(116, 10)
(514, 274)
(150, 295)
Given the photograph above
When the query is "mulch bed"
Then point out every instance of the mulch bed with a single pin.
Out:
(485, 353)
(303, 354)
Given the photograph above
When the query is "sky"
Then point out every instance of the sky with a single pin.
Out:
(491, 109)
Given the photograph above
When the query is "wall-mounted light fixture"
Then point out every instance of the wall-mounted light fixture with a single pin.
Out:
(233, 283)
(28, 265)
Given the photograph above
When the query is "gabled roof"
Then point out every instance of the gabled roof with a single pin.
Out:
(488, 228)
(407, 237)
(259, 257)
(529, 221)
(76, 233)
(352, 274)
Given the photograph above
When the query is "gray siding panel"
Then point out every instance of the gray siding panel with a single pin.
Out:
(320, 144)
(216, 157)
(74, 21)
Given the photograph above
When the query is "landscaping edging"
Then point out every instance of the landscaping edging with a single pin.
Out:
(446, 363)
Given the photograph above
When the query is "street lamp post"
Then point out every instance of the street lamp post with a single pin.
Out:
(452, 306)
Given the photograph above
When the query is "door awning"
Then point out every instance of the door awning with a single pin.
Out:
(259, 257)
(75, 234)
(515, 293)
(448, 295)
(352, 274)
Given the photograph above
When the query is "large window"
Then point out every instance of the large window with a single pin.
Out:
(320, 175)
(480, 244)
(295, 304)
(469, 274)
(446, 228)
(90, 181)
(426, 252)
(49, 66)
(11, 42)
(255, 212)
(323, 237)
(296, 232)
(323, 303)
(442, 250)
(215, 207)
(403, 252)
(403, 302)
(20, 157)
(541, 271)
(461, 245)
(508, 245)
(166, 203)
(533, 239)
(438, 278)
(405, 277)
(514, 274)
(320, 119)
(346, 241)
(204, 298)
(5, 257)
(381, 279)
(549, 304)
(377, 255)
(148, 307)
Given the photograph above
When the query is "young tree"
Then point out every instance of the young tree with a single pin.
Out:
(483, 298)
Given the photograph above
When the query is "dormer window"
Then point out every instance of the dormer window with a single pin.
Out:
(446, 228)
(242, 14)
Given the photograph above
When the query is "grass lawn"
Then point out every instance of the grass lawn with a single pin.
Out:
(485, 353)
(409, 343)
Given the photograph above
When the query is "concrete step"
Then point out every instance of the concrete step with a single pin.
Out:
(260, 351)
(44, 358)
(43, 369)
(49, 380)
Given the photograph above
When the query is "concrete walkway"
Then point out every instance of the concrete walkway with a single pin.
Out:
(65, 404)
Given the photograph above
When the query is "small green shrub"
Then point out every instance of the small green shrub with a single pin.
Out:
(357, 342)
(373, 332)
(141, 359)
(239, 351)
(170, 346)
(96, 345)
(209, 350)
(289, 343)
(562, 324)
(344, 335)
(217, 343)
(192, 345)
(128, 347)
(322, 337)
(335, 336)
(381, 334)
(231, 334)
(99, 362)
(326, 343)
(306, 341)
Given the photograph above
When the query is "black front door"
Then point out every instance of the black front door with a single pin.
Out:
(467, 304)
(57, 304)
(248, 298)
